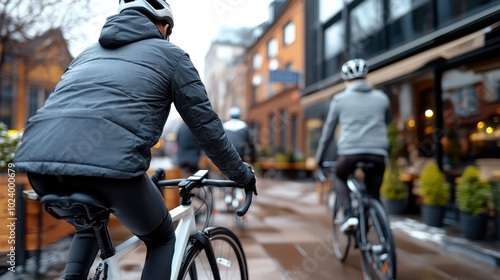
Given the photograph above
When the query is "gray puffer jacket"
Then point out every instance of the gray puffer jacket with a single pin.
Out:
(112, 102)
(363, 115)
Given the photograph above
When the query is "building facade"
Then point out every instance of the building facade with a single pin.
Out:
(275, 79)
(438, 60)
(30, 72)
(226, 70)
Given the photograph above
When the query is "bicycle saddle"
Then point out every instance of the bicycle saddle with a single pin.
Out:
(364, 165)
(83, 209)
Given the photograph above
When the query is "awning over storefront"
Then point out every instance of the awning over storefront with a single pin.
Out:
(407, 66)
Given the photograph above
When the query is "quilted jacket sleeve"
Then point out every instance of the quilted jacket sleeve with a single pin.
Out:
(191, 101)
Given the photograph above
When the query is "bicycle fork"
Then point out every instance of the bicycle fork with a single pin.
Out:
(203, 240)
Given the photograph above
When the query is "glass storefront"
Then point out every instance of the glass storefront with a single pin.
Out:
(471, 114)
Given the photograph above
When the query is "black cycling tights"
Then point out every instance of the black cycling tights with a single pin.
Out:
(346, 165)
(136, 202)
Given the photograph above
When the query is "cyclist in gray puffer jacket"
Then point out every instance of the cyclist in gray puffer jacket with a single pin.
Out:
(363, 114)
(97, 127)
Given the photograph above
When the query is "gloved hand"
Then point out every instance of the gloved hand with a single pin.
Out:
(158, 175)
(252, 183)
(320, 173)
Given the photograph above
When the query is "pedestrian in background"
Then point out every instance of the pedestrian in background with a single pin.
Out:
(240, 136)
(188, 151)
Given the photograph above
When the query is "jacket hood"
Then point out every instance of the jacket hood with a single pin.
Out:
(125, 28)
(360, 86)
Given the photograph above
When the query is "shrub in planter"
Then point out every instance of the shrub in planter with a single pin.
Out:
(495, 195)
(393, 191)
(473, 197)
(9, 141)
(435, 191)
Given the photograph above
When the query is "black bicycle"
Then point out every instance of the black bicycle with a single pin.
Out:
(373, 235)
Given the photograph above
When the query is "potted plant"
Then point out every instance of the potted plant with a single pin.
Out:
(9, 140)
(393, 191)
(495, 196)
(435, 192)
(473, 197)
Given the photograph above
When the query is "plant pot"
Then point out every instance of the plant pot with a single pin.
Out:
(395, 206)
(497, 227)
(433, 215)
(473, 227)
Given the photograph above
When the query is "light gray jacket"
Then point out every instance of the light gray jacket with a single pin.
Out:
(363, 115)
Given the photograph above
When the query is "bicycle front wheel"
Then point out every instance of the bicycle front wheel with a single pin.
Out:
(341, 241)
(379, 254)
(229, 257)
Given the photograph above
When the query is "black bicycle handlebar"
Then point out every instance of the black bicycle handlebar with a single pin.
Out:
(187, 185)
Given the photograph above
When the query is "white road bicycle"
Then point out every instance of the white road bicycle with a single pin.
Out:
(210, 253)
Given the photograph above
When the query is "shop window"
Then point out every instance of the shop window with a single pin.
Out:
(293, 127)
(465, 101)
(272, 126)
(283, 130)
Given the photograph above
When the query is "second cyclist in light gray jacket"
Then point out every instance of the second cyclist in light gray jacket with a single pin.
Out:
(363, 114)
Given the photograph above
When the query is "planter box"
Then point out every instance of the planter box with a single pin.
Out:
(36, 234)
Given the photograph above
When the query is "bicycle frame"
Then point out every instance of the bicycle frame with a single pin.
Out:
(185, 228)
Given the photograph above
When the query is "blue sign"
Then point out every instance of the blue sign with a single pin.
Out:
(284, 76)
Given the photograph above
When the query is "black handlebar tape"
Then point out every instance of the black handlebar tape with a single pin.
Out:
(248, 201)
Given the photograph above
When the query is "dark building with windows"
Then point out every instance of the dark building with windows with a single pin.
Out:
(438, 60)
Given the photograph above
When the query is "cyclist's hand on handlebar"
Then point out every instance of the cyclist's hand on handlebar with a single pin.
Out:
(158, 175)
(320, 173)
(252, 184)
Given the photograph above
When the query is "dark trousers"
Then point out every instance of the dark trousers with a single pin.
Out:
(346, 165)
(136, 202)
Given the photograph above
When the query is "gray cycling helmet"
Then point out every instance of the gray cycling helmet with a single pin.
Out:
(354, 69)
(157, 9)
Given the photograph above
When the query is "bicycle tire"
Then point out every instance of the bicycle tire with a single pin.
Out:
(228, 252)
(341, 241)
(380, 263)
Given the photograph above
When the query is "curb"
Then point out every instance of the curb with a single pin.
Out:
(439, 238)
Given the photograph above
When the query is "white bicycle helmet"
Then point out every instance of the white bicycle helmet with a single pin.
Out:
(235, 113)
(353, 69)
(158, 9)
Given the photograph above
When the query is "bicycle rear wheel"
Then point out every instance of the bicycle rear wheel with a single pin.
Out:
(341, 241)
(379, 254)
(229, 256)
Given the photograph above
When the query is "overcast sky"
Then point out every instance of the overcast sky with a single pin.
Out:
(196, 23)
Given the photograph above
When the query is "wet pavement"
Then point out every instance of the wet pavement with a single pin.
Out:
(287, 235)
